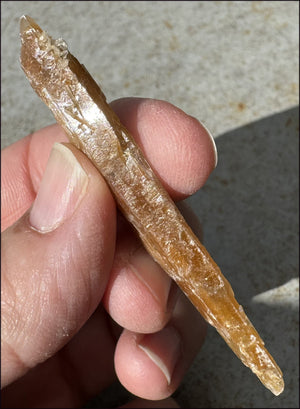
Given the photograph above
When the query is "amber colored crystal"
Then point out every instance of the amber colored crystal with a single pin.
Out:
(80, 107)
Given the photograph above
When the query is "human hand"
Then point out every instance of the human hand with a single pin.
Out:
(72, 268)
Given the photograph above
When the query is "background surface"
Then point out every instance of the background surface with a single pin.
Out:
(235, 66)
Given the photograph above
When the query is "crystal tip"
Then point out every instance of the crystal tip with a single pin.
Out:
(279, 388)
(27, 23)
(273, 380)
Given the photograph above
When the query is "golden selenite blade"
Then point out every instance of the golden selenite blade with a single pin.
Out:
(80, 107)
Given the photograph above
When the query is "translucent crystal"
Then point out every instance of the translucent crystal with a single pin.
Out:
(80, 107)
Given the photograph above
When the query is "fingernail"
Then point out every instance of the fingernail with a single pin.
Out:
(63, 186)
(151, 275)
(164, 350)
(213, 143)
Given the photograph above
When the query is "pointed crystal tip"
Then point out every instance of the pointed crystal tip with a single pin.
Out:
(272, 379)
(27, 23)
(278, 388)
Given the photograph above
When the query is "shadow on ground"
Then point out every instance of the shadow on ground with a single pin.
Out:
(249, 205)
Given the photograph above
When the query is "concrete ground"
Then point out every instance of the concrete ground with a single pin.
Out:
(235, 66)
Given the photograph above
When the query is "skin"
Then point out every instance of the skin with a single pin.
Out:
(75, 315)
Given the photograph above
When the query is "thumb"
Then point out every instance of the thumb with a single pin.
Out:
(55, 262)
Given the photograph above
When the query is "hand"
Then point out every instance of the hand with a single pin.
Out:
(82, 301)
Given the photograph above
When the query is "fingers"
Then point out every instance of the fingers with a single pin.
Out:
(180, 150)
(152, 366)
(55, 262)
(72, 376)
(140, 296)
